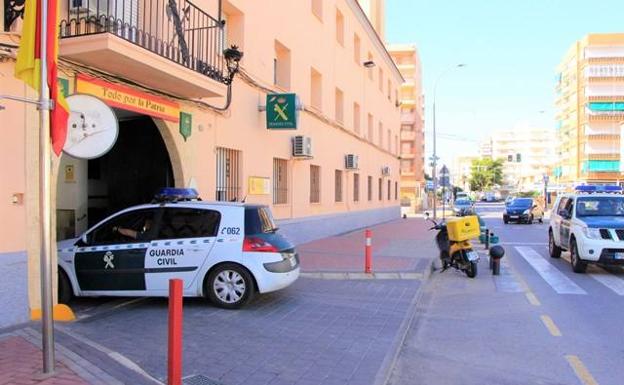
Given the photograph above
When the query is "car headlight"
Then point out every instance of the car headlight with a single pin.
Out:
(526, 212)
(592, 233)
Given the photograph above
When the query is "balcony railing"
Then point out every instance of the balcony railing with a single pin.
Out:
(174, 29)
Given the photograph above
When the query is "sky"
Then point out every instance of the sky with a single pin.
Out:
(511, 49)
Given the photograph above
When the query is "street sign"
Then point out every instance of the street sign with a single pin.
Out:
(444, 181)
(444, 171)
(186, 124)
(281, 111)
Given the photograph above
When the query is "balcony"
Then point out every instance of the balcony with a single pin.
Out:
(408, 135)
(408, 117)
(172, 46)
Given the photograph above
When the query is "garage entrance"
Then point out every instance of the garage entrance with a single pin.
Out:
(135, 168)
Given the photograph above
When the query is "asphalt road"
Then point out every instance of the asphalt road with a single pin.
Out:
(536, 323)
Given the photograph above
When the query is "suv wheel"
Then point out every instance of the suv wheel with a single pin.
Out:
(229, 286)
(578, 266)
(553, 249)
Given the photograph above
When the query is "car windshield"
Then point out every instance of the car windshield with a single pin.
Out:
(521, 202)
(600, 206)
(463, 202)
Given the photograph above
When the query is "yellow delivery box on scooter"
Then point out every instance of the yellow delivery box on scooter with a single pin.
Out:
(463, 228)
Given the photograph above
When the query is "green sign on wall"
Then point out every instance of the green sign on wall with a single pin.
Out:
(281, 111)
(186, 123)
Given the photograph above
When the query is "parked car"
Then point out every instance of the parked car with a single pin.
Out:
(463, 206)
(523, 210)
(590, 225)
(224, 251)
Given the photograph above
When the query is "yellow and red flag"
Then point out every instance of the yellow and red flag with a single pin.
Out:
(28, 66)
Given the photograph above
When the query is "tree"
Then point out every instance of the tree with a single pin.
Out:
(485, 174)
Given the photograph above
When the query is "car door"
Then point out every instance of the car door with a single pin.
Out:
(113, 263)
(555, 219)
(566, 220)
(184, 239)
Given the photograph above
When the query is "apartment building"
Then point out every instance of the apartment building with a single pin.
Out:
(590, 107)
(528, 154)
(412, 138)
(184, 123)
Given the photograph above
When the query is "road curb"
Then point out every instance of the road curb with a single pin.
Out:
(354, 276)
(385, 372)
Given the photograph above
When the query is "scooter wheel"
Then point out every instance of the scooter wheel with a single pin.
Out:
(471, 271)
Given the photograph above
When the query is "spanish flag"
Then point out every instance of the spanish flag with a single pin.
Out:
(28, 66)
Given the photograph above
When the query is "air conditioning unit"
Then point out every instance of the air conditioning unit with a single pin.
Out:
(302, 146)
(83, 6)
(351, 162)
(385, 170)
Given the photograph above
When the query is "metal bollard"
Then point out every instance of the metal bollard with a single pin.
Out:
(487, 239)
(174, 368)
(368, 252)
(496, 253)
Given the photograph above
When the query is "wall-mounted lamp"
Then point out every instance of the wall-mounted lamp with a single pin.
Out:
(232, 58)
(369, 64)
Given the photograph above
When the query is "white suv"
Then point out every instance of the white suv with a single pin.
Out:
(223, 251)
(589, 224)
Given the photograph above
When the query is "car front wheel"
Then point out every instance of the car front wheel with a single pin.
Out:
(578, 266)
(229, 286)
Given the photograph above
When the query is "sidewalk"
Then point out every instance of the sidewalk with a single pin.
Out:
(403, 245)
(76, 363)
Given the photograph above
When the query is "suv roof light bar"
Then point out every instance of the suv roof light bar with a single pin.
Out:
(588, 189)
(173, 194)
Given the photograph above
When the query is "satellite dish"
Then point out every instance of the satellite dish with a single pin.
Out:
(91, 128)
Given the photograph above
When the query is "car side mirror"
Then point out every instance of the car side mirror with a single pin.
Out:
(82, 241)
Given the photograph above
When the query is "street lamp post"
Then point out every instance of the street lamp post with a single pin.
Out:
(435, 155)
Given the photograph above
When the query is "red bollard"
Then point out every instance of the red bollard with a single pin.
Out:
(368, 252)
(175, 333)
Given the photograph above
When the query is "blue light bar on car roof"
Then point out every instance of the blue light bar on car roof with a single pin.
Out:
(177, 194)
(598, 189)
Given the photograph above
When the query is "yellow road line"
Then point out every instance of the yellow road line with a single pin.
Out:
(532, 298)
(550, 325)
(580, 370)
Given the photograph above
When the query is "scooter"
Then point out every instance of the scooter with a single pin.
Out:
(455, 253)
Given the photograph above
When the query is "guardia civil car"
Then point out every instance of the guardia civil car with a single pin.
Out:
(225, 251)
(589, 224)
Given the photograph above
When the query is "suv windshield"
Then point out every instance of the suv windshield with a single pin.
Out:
(600, 206)
(521, 202)
(259, 220)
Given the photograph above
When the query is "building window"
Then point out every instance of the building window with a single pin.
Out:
(228, 174)
(380, 80)
(356, 187)
(380, 187)
(389, 191)
(396, 190)
(389, 90)
(356, 50)
(370, 71)
(356, 118)
(370, 128)
(389, 144)
(317, 9)
(338, 186)
(339, 106)
(281, 66)
(315, 184)
(316, 89)
(396, 145)
(280, 181)
(370, 188)
(339, 27)
(380, 129)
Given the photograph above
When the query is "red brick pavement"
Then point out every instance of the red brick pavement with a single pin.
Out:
(20, 364)
(396, 247)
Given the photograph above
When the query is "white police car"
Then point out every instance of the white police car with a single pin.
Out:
(589, 224)
(224, 251)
